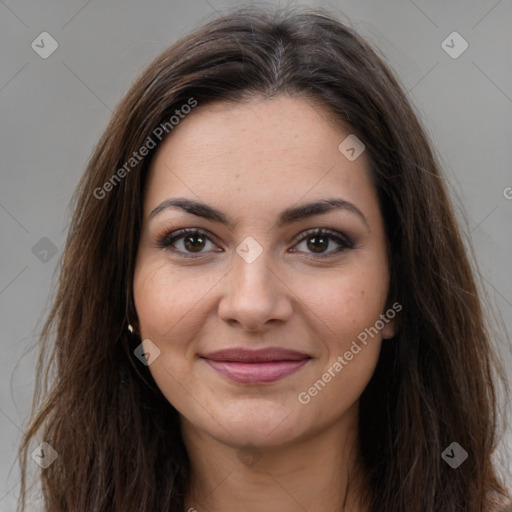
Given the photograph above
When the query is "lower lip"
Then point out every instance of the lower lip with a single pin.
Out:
(256, 373)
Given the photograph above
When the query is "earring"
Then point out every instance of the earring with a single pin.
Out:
(130, 328)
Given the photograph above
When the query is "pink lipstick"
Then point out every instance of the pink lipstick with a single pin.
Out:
(256, 366)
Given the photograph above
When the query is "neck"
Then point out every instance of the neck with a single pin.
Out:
(313, 474)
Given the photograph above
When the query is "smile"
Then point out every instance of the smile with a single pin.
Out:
(256, 373)
(261, 366)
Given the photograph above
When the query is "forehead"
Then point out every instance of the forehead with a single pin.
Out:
(283, 148)
(254, 129)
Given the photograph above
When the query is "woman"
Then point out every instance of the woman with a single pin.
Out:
(265, 302)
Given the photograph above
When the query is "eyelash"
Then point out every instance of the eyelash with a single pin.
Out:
(166, 241)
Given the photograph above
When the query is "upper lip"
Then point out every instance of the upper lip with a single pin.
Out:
(242, 355)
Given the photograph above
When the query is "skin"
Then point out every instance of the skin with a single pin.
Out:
(252, 160)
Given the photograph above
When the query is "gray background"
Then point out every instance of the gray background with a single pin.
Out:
(53, 111)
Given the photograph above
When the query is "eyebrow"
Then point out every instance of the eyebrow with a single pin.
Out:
(288, 216)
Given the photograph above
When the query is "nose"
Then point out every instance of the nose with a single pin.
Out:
(255, 295)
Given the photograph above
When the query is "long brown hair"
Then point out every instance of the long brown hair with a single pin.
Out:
(118, 438)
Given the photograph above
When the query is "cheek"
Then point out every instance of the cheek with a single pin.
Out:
(168, 308)
(165, 299)
(345, 325)
(346, 302)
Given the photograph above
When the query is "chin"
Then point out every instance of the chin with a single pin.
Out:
(263, 426)
(258, 436)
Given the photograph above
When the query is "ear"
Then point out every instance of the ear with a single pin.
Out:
(389, 330)
(131, 318)
(392, 320)
(135, 326)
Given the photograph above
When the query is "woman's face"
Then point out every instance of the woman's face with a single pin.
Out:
(257, 276)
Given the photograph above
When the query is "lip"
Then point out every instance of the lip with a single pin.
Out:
(256, 366)
(262, 355)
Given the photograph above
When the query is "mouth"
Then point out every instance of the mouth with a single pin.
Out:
(256, 366)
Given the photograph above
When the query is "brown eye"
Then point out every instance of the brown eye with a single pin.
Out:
(318, 241)
(186, 241)
(194, 243)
